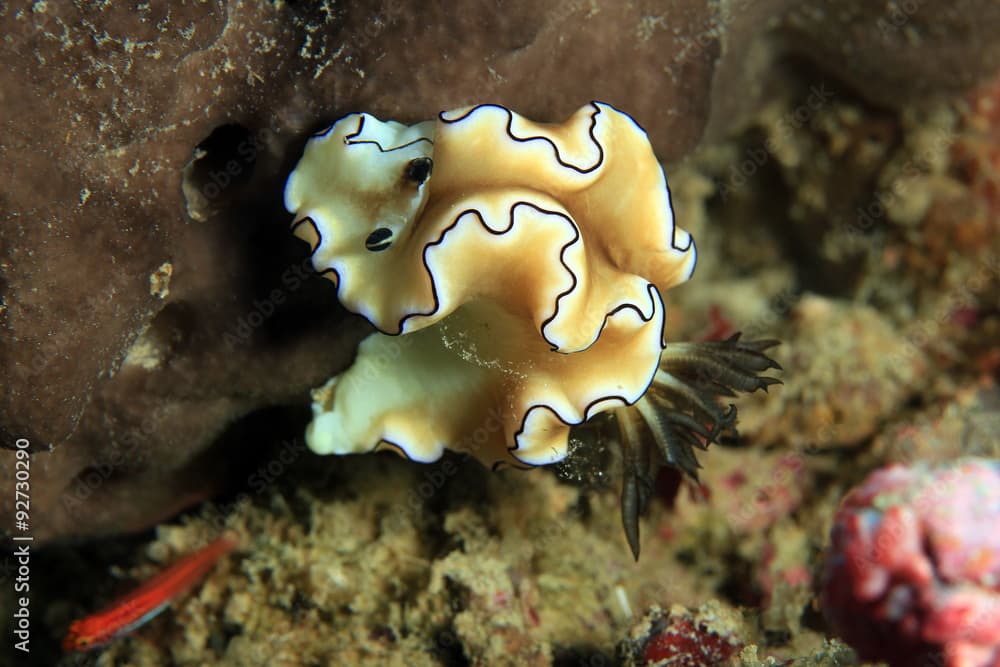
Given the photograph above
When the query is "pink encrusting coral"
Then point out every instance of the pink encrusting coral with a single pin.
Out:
(913, 572)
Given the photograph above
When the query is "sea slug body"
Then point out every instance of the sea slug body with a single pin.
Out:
(526, 266)
(515, 273)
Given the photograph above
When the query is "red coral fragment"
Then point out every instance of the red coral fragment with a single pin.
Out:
(913, 572)
(681, 644)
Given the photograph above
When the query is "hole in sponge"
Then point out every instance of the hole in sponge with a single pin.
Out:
(220, 167)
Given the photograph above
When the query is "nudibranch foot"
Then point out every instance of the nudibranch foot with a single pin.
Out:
(681, 412)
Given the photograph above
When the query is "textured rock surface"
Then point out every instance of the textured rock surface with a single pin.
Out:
(139, 284)
(966, 425)
(848, 371)
(890, 53)
(389, 563)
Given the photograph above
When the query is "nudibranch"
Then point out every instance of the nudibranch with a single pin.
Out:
(515, 274)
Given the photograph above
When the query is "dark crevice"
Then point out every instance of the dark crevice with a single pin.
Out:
(220, 168)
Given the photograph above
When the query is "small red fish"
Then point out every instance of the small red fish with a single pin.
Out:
(136, 608)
